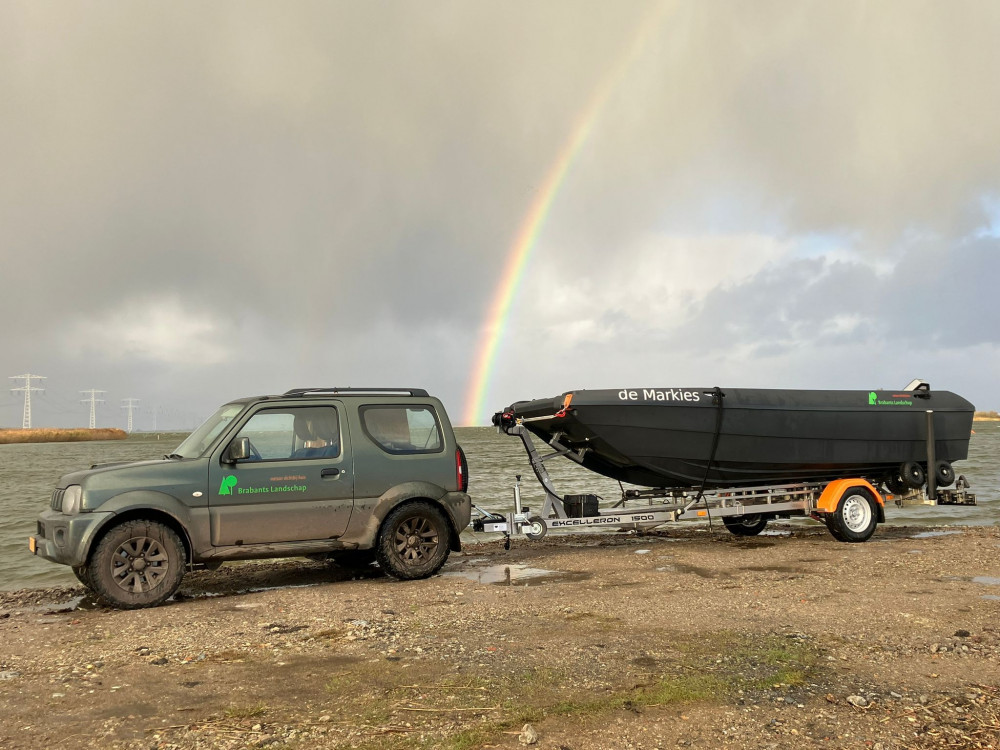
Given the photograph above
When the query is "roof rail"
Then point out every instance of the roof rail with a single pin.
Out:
(359, 391)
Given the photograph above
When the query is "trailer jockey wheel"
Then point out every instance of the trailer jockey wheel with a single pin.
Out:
(535, 529)
(855, 518)
(749, 525)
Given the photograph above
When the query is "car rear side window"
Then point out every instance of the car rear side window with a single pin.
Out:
(403, 429)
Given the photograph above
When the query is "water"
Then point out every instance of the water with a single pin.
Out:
(28, 474)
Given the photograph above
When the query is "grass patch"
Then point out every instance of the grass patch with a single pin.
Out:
(52, 435)
(249, 711)
(713, 668)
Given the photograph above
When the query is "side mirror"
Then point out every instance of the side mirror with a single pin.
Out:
(239, 450)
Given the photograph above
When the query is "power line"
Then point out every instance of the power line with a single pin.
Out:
(93, 401)
(129, 403)
(27, 388)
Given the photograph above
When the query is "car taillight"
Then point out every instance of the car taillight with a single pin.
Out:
(461, 470)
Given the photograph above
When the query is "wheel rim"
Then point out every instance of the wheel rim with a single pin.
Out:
(748, 522)
(416, 539)
(140, 564)
(857, 513)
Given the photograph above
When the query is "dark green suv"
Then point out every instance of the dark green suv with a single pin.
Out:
(346, 474)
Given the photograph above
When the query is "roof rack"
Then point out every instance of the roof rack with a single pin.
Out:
(358, 391)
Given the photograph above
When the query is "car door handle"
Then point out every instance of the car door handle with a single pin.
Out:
(330, 473)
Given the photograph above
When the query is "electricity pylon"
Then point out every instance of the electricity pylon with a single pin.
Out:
(129, 403)
(27, 388)
(93, 401)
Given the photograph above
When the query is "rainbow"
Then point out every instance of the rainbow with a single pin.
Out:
(531, 227)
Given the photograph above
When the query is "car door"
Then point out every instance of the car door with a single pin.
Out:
(297, 483)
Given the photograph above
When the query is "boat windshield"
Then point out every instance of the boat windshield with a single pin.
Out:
(199, 440)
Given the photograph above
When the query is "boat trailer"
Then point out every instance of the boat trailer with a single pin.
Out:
(850, 508)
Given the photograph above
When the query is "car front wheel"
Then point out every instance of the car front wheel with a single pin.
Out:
(137, 564)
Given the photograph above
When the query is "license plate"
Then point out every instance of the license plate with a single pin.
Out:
(33, 545)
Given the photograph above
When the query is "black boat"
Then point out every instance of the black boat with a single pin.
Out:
(738, 437)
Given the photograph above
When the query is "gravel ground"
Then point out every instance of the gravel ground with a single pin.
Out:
(688, 638)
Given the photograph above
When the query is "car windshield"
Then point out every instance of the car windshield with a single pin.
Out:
(199, 440)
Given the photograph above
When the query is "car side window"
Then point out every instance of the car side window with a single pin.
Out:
(403, 429)
(293, 434)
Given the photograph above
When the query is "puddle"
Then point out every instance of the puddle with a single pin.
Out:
(516, 575)
(86, 602)
(774, 532)
(991, 597)
(987, 580)
(929, 534)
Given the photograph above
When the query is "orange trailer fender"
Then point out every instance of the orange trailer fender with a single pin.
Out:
(832, 493)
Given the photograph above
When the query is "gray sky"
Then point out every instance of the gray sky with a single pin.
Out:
(206, 200)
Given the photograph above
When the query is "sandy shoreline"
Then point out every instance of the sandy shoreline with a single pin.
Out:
(690, 639)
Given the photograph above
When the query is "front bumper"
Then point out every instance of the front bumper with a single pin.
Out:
(66, 539)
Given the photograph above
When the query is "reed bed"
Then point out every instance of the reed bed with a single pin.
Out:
(52, 435)
(986, 416)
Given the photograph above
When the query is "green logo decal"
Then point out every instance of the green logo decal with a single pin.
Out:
(226, 488)
(872, 398)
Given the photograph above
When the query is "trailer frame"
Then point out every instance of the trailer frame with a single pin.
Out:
(851, 508)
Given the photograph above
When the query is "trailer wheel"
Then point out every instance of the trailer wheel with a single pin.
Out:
(749, 525)
(944, 475)
(855, 518)
(536, 528)
(895, 485)
(833, 529)
(912, 474)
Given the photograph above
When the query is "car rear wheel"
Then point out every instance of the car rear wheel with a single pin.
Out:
(137, 564)
(413, 541)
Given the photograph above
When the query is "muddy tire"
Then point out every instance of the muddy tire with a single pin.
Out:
(413, 541)
(856, 516)
(749, 525)
(80, 571)
(137, 564)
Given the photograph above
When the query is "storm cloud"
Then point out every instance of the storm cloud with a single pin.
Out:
(202, 201)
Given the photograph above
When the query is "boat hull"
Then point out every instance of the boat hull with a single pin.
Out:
(664, 437)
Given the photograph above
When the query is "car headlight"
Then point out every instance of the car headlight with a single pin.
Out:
(72, 500)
